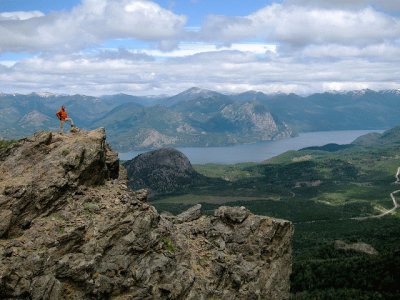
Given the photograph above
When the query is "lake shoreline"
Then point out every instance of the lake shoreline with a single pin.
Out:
(258, 152)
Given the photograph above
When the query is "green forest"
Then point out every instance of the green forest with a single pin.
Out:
(322, 190)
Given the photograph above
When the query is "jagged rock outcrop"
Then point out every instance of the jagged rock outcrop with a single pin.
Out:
(162, 171)
(71, 229)
(36, 173)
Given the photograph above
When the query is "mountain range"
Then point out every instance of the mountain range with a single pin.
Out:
(199, 117)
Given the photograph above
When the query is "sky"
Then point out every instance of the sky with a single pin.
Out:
(141, 47)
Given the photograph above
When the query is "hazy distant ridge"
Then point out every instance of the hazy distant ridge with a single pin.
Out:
(199, 117)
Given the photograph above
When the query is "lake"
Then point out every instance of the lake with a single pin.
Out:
(260, 151)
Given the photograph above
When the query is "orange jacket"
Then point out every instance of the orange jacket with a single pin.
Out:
(62, 114)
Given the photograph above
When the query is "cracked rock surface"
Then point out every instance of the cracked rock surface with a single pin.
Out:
(71, 229)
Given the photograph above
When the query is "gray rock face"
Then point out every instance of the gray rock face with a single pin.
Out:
(255, 120)
(5, 221)
(39, 170)
(71, 229)
(191, 214)
(163, 170)
(232, 214)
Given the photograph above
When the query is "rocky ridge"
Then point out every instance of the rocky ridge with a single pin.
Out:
(71, 229)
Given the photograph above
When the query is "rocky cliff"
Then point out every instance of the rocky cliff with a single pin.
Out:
(71, 229)
(254, 119)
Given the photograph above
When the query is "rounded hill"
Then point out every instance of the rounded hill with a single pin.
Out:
(162, 171)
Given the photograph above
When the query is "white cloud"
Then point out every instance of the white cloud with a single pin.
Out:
(301, 46)
(20, 15)
(379, 52)
(299, 26)
(8, 63)
(124, 54)
(187, 49)
(91, 22)
(386, 5)
(229, 71)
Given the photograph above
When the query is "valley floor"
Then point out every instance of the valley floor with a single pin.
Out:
(349, 195)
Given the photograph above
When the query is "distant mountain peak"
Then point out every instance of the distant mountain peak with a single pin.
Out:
(392, 91)
(252, 92)
(361, 92)
(350, 92)
(198, 91)
(43, 94)
(191, 94)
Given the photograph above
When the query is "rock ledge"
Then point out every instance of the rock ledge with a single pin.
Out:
(71, 229)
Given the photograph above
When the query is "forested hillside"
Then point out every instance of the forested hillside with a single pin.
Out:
(334, 195)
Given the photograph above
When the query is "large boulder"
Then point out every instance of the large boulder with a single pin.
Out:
(71, 229)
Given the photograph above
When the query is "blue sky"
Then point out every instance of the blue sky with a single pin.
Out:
(196, 10)
(45, 6)
(163, 47)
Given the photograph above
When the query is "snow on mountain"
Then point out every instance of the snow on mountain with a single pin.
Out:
(44, 94)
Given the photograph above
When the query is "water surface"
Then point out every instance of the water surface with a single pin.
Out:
(263, 150)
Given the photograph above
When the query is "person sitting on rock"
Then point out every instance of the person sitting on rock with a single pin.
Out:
(63, 116)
